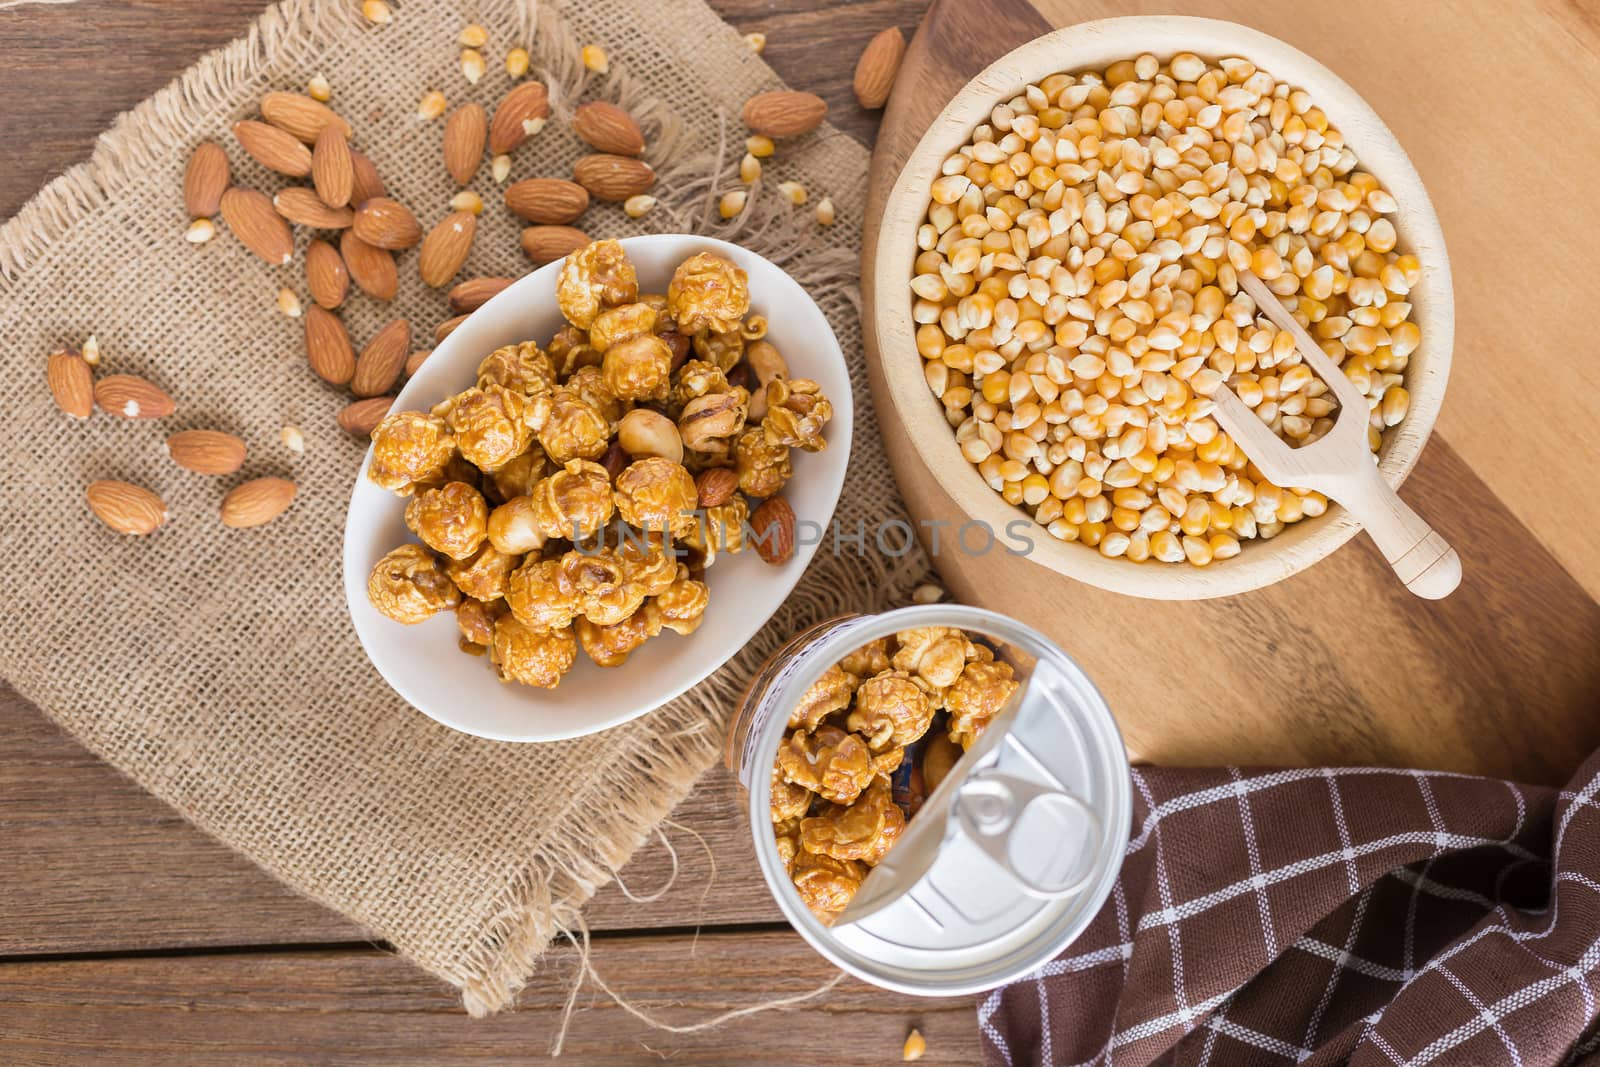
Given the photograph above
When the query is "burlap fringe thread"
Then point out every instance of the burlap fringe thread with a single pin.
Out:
(528, 916)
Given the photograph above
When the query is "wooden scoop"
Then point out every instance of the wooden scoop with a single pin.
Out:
(1339, 465)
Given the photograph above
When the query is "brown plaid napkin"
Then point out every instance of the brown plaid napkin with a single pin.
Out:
(1330, 916)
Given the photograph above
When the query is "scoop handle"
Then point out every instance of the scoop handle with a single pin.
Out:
(1421, 558)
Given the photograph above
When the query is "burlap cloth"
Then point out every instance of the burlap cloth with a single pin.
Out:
(218, 667)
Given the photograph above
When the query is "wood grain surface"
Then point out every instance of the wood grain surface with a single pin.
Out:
(1340, 664)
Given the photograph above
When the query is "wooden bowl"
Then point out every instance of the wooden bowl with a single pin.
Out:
(1094, 46)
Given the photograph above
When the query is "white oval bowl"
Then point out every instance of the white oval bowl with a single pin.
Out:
(1093, 46)
(422, 662)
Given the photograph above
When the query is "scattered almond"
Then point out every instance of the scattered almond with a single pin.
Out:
(447, 327)
(732, 203)
(515, 116)
(205, 179)
(464, 135)
(206, 451)
(304, 207)
(825, 211)
(784, 113)
(257, 502)
(370, 267)
(377, 11)
(289, 303)
(432, 105)
(71, 383)
(326, 275)
(318, 89)
(500, 168)
(878, 65)
(749, 169)
(756, 42)
(472, 36)
(793, 192)
(132, 397)
(595, 59)
(332, 171)
(273, 148)
(293, 439)
(636, 207)
(126, 508)
(91, 351)
(365, 183)
(416, 359)
(545, 244)
(445, 248)
(328, 346)
(200, 231)
(608, 128)
(382, 360)
(759, 145)
(386, 223)
(301, 115)
(517, 62)
(551, 201)
(258, 226)
(613, 178)
(472, 65)
(773, 527)
(717, 486)
(363, 416)
(473, 293)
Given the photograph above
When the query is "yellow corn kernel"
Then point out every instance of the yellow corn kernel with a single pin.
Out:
(1092, 533)
(319, 89)
(749, 168)
(1165, 546)
(500, 168)
(467, 200)
(1035, 488)
(756, 42)
(472, 36)
(638, 206)
(289, 303)
(1125, 519)
(472, 65)
(1396, 402)
(432, 105)
(200, 231)
(732, 203)
(1197, 550)
(376, 11)
(825, 211)
(517, 62)
(760, 145)
(595, 59)
(1196, 518)
(1223, 546)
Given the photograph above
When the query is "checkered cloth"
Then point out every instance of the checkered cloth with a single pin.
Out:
(1330, 916)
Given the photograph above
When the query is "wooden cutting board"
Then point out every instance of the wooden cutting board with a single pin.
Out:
(1340, 665)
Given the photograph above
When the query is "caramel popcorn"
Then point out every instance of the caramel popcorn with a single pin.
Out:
(638, 368)
(597, 277)
(484, 574)
(574, 503)
(493, 425)
(870, 659)
(517, 477)
(696, 378)
(452, 519)
(409, 586)
(531, 656)
(620, 323)
(721, 350)
(709, 422)
(683, 603)
(976, 697)
(826, 884)
(524, 368)
(607, 592)
(476, 618)
(864, 830)
(891, 709)
(708, 293)
(935, 654)
(569, 351)
(828, 761)
(576, 429)
(538, 595)
(610, 646)
(656, 494)
(787, 833)
(796, 413)
(789, 801)
(716, 530)
(828, 694)
(409, 447)
(763, 468)
(649, 565)
(590, 383)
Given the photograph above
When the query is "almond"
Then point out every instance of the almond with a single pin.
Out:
(784, 113)
(518, 117)
(416, 359)
(464, 134)
(371, 268)
(445, 248)
(546, 244)
(257, 502)
(204, 180)
(773, 529)
(206, 451)
(549, 201)
(304, 207)
(387, 223)
(326, 275)
(332, 170)
(878, 65)
(273, 148)
(71, 382)
(608, 128)
(301, 116)
(328, 346)
(382, 360)
(473, 293)
(363, 416)
(365, 183)
(613, 178)
(128, 509)
(447, 327)
(132, 397)
(258, 226)
(717, 486)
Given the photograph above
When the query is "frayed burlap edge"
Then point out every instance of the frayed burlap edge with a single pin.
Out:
(545, 900)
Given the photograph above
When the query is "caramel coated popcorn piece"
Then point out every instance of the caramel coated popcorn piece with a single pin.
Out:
(890, 710)
(708, 293)
(537, 595)
(656, 494)
(722, 350)
(595, 277)
(695, 378)
(451, 519)
(649, 565)
(976, 697)
(476, 618)
(796, 413)
(638, 368)
(569, 350)
(620, 323)
(787, 834)
(409, 447)
(603, 583)
(828, 694)
(935, 654)
(870, 659)
(576, 429)
(864, 830)
(610, 646)
(523, 367)
(409, 586)
(531, 656)
(574, 503)
(483, 575)
(494, 425)
(828, 761)
(763, 468)
(789, 800)
(716, 530)
(826, 884)
(590, 383)
(683, 603)
(517, 477)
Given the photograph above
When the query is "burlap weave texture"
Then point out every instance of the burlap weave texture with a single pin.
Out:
(218, 667)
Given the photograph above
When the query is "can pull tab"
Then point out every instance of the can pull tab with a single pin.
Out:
(1008, 817)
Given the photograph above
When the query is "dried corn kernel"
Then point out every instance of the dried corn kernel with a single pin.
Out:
(473, 36)
(638, 206)
(319, 89)
(293, 439)
(517, 62)
(432, 105)
(472, 65)
(376, 11)
(760, 145)
(289, 303)
(595, 59)
(915, 1047)
(825, 211)
(756, 42)
(749, 169)
(793, 192)
(500, 168)
(91, 351)
(731, 204)
(200, 231)
(467, 200)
